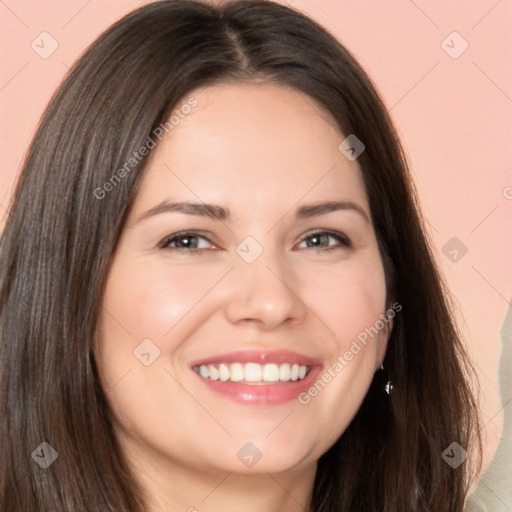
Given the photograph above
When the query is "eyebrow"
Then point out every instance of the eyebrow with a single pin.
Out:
(216, 212)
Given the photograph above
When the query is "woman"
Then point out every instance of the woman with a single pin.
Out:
(216, 288)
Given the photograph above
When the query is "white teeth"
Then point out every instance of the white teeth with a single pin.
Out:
(284, 372)
(214, 373)
(253, 372)
(223, 373)
(271, 373)
(237, 372)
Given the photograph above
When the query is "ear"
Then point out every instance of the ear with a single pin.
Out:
(383, 339)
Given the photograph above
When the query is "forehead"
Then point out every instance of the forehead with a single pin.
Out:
(251, 145)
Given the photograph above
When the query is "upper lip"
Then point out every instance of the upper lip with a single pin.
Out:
(259, 356)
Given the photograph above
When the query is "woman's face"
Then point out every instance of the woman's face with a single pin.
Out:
(205, 338)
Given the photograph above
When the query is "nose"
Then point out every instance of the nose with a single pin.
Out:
(266, 293)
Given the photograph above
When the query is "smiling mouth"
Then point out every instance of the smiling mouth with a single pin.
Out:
(253, 373)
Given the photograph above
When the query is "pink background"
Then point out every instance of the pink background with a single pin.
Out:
(454, 116)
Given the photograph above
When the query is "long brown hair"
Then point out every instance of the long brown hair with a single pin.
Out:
(60, 236)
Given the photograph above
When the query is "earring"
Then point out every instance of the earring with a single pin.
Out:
(388, 388)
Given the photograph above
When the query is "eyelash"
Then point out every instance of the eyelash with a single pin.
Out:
(343, 240)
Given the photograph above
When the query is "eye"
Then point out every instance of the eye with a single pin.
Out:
(192, 240)
(184, 240)
(320, 239)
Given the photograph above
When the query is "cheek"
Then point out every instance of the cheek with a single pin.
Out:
(148, 299)
(143, 301)
(350, 301)
(349, 298)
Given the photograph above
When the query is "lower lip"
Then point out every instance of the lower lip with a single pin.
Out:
(267, 394)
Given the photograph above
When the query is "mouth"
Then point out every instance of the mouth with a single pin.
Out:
(253, 373)
(255, 377)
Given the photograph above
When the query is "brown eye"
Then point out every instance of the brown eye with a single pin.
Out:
(184, 241)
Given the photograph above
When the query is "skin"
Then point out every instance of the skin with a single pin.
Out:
(261, 151)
